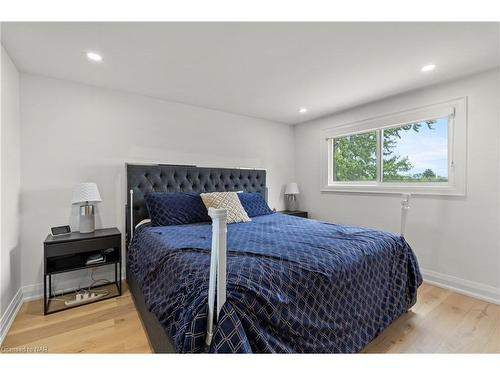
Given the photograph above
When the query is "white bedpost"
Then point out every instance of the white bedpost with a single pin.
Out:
(405, 206)
(217, 277)
(131, 208)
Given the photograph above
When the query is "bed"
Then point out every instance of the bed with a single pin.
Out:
(293, 285)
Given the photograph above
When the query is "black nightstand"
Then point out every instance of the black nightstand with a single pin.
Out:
(295, 213)
(70, 252)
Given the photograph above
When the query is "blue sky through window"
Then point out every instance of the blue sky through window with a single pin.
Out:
(427, 149)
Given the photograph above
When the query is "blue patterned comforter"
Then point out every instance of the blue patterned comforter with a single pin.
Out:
(293, 284)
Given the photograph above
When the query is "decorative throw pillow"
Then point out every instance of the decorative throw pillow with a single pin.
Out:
(254, 204)
(176, 208)
(228, 200)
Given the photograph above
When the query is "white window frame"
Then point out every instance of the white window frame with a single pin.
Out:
(457, 151)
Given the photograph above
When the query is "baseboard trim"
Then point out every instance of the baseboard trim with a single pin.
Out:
(10, 314)
(32, 292)
(469, 288)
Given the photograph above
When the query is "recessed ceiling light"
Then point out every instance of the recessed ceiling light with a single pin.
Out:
(94, 56)
(428, 68)
(302, 110)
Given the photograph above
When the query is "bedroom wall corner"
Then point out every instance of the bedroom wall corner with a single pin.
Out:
(10, 180)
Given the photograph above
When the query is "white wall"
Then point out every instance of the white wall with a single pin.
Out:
(10, 252)
(73, 133)
(455, 238)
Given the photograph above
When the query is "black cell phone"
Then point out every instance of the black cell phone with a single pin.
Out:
(59, 231)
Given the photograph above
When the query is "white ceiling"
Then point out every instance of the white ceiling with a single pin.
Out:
(266, 70)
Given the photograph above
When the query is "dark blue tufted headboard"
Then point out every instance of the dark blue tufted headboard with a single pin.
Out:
(143, 179)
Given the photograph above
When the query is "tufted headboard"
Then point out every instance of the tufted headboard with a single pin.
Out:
(142, 179)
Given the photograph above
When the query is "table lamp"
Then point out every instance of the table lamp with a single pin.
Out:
(291, 190)
(86, 194)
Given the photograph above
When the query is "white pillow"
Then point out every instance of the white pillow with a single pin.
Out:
(228, 200)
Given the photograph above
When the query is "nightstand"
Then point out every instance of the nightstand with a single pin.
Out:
(295, 213)
(71, 252)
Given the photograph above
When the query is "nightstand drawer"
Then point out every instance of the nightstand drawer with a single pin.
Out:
(295, 213)
(58, 249)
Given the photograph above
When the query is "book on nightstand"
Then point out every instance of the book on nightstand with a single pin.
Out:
(95, 259)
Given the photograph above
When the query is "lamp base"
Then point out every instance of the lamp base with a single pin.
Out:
(291, 202)
(87, 219)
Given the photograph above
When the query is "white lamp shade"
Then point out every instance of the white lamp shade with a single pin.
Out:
(292, 188)
(86, 192)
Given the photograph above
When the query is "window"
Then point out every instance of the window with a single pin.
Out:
(416, 152)
(419, 151)
(355, 157)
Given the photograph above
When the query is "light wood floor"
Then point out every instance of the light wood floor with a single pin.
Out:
(440, 322)
(110, 326)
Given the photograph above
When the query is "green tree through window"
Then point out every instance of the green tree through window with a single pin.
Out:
(355, 156)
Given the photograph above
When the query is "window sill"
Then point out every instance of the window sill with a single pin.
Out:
(395, 189)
